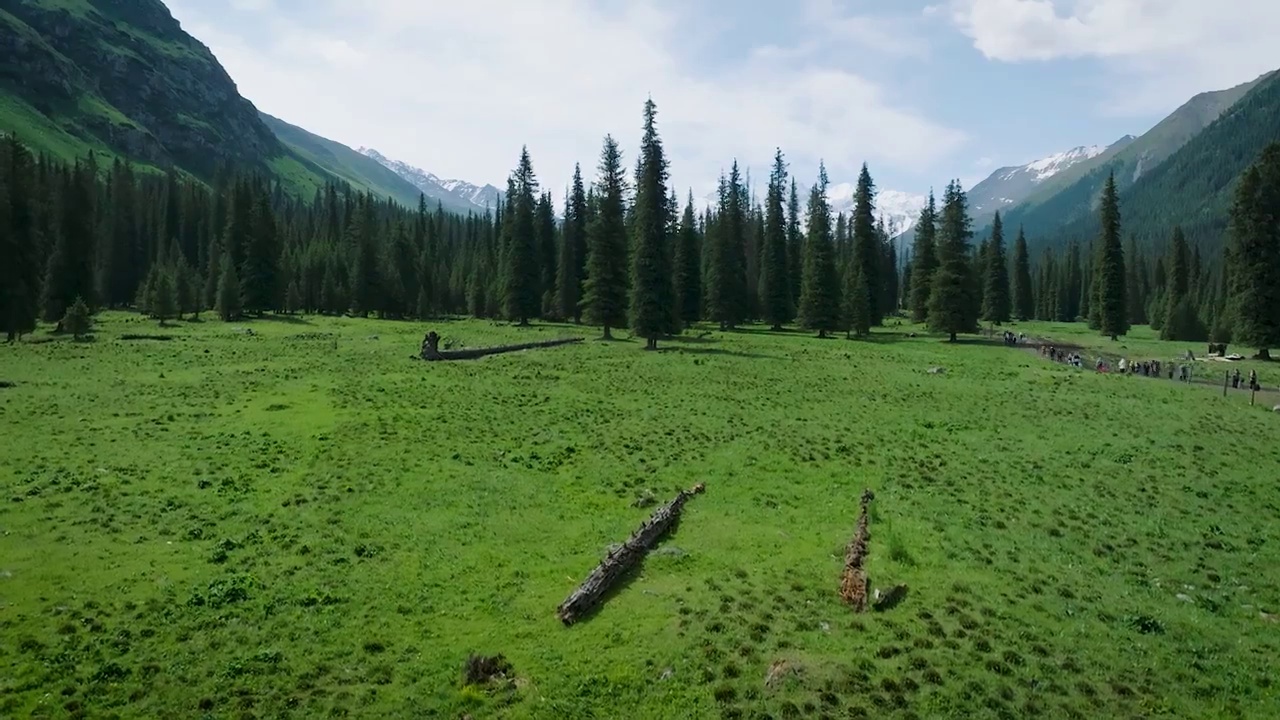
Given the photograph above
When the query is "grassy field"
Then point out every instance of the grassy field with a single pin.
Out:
(304, 522)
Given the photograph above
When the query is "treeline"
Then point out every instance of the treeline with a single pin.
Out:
(624, 255)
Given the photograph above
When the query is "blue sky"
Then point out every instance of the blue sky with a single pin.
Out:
(922, 91)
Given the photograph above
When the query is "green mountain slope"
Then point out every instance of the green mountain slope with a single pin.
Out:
(353, 167)
(1056, 207)
(123, 79)
(1194, 187)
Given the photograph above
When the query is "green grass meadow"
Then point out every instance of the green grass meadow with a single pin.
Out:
(306, 522)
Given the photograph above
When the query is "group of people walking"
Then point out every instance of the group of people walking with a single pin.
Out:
(1183, 372)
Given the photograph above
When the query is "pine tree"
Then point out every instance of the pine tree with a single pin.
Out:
(819, 289)
(1177, 288)
(1023, 302)
(229, 303)
(924, 261)
(548, 254)
(995, 298)
(573, 251)
(653, 303)
(890, 279)
(952, 302)
(186, 284)
(1109, 273)
(164, 298)
(364, 276)
(69, 273)
(1253, 257)
(521, 273)
(604, 294)
(725, 283)
(77, 319)
(293, 298)
(866, 243)
(775, 286)
(259, 272)
(688, 266)
(795, 244)
(19, 247)
(856, 303)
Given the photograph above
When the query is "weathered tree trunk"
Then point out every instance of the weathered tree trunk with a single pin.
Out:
(854, 584)
(431, 348)
(616, 563)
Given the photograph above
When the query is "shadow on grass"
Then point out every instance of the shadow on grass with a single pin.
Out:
(713, 351)
(274, 318)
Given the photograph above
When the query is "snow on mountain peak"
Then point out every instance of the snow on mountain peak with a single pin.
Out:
(482, 196)
(899, 210)
(1046, 168)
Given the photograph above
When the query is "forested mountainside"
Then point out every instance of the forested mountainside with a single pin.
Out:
(123, 79)
(1054, 212)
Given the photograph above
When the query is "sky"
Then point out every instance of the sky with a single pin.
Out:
(921, 90)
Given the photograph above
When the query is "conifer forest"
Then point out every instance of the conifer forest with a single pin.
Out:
(291, 432)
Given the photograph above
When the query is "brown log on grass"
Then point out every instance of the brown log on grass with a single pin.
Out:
(854, 584)
(431, 348)
(618, 562)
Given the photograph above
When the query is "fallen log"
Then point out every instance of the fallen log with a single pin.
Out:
(431, 348)
(617, 562)
(853, 582)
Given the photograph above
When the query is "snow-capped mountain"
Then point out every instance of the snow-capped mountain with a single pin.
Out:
(484, 197)
(1010, 186)
(899, 210)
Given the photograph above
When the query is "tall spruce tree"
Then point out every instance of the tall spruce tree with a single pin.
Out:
(228, 304)
(69, 272)
(725, 282)
(855, 311)
(924, 260)
(866, 243)
(891, 281)
(546, 235)
(1023, 300)
(573, 251)
(653, 301)
(795, 243)
(1253, 257)
(259, 273)
(521, 271)
(775, 286)
(819, 285)
(952, 297)
(996, 305)
(19, 245)
(1108, 275)
(1177, 288)
(604, 294)
(688, 266)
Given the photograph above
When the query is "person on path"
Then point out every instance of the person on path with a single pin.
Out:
(1235, 379)
(1253, 381)
(1122, 365)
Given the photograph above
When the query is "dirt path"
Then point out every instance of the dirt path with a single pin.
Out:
(1089, 361)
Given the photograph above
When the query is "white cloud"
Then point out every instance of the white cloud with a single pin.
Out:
(458, 87)
(1158, 52)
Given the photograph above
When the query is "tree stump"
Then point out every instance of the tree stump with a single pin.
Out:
(618, 562)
